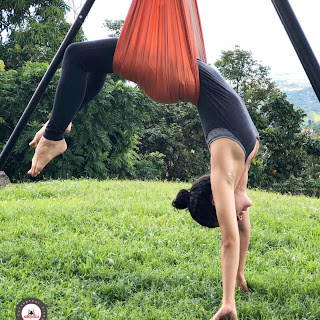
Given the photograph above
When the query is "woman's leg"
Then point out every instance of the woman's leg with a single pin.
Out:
(95, 82)
(84, 70)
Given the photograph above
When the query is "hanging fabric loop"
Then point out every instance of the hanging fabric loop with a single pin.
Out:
(158, 49)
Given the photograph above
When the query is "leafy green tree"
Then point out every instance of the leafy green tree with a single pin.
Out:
(114, 27)
(175, 131)
(105, 136)
(36, 33)
(244, 71)
(286, 146)
(14, 13)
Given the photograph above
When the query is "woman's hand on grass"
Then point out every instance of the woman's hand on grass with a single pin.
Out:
(226, 312)
(241, 283)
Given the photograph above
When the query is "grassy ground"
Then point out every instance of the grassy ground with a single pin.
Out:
(118, 250)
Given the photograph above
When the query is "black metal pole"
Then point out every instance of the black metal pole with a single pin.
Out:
(44, 83)
(300, 42)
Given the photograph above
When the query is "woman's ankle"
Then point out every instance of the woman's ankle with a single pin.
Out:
(52, 132)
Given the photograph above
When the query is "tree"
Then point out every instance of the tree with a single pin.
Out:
(14, 13)
(36, 33)
(286, 147)
(175, 131)
(104, 139)
(114, 27)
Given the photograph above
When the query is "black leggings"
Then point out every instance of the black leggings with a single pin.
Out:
(85, 67)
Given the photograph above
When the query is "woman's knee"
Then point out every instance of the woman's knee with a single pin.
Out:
(72, 52)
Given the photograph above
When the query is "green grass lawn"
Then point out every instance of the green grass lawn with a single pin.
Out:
(119, 250)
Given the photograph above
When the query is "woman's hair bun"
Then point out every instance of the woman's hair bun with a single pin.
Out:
(182, 200)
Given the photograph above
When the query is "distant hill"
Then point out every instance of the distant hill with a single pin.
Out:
(301, 94)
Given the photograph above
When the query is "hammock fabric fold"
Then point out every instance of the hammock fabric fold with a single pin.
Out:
(158, 49)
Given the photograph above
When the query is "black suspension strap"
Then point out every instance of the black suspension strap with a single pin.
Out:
(300, 43)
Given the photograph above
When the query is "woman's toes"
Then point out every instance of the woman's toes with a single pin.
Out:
(31, 172)
(46, 150)
(34, 172)
(33, 143)
(36, 139)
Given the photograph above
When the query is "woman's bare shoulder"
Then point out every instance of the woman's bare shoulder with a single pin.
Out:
(224, 149)
(227, 158)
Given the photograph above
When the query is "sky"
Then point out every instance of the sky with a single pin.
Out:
(252, 24)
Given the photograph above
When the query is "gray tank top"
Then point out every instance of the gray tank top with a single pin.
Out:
(222, 112)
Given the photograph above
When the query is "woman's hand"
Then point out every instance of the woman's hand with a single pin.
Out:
(226, 312)
(241, 283)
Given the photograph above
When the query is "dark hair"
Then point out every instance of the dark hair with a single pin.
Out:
(198, 199)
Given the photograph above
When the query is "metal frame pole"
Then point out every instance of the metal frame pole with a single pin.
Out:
(300, 42)
(44, 83)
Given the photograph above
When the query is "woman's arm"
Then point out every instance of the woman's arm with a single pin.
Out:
(226, 170)
(244, 222)
(223, 195)
(244, 232)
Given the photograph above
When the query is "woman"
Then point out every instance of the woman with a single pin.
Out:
(229, 131)
(220, 199)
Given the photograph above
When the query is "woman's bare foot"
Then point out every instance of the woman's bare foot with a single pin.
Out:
(46, 150)
(40, 133)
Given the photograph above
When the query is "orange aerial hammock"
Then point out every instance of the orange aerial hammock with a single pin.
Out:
(158, 49)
